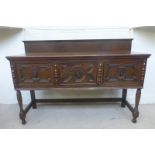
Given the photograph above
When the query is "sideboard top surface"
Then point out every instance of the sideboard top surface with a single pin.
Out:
(76, 57)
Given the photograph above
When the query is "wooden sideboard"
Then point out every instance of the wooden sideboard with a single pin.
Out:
(106, 63)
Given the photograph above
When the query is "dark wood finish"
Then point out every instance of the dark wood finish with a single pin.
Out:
(28, 107)
(91, 71)
(129, 106)
(79, 100)
(22, 113)
(79, 46)
(64, 64)
(124, 95)
(137, 100)
(33, 99)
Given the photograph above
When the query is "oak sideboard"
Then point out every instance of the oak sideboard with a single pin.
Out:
(91, 63)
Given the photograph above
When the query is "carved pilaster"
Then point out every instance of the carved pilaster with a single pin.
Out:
(100, 74)
(143, 68)
(56, 70)
(13, 73)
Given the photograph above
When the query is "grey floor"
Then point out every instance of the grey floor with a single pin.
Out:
(105, 116)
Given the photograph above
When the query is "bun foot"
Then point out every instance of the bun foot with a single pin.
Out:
(22, 116)
(23, 122)
(134, 120)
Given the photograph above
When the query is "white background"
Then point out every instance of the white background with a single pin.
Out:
(76, 12)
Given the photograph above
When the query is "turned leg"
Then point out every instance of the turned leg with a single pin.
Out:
(124, 94)
(33, 99)
(135, 111)
(22, 113)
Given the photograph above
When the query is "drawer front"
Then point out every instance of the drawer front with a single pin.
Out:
(122, 73)
(78, 74)
(34, 75)
(81, 73)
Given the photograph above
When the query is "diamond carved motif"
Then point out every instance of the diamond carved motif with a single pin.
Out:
(123, 72)
(78, 73)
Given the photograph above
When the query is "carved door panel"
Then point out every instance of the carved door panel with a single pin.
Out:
(78, 73)
(119, 72)
(34, 74)
(122, 72)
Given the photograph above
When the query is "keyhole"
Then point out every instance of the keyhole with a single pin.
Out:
(36, 70)
(78, 74)
(121, 74)
(36, 74)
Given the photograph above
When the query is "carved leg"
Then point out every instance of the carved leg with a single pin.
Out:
(135, 111)
(33, 99)
(22, 113)
(124, 94)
